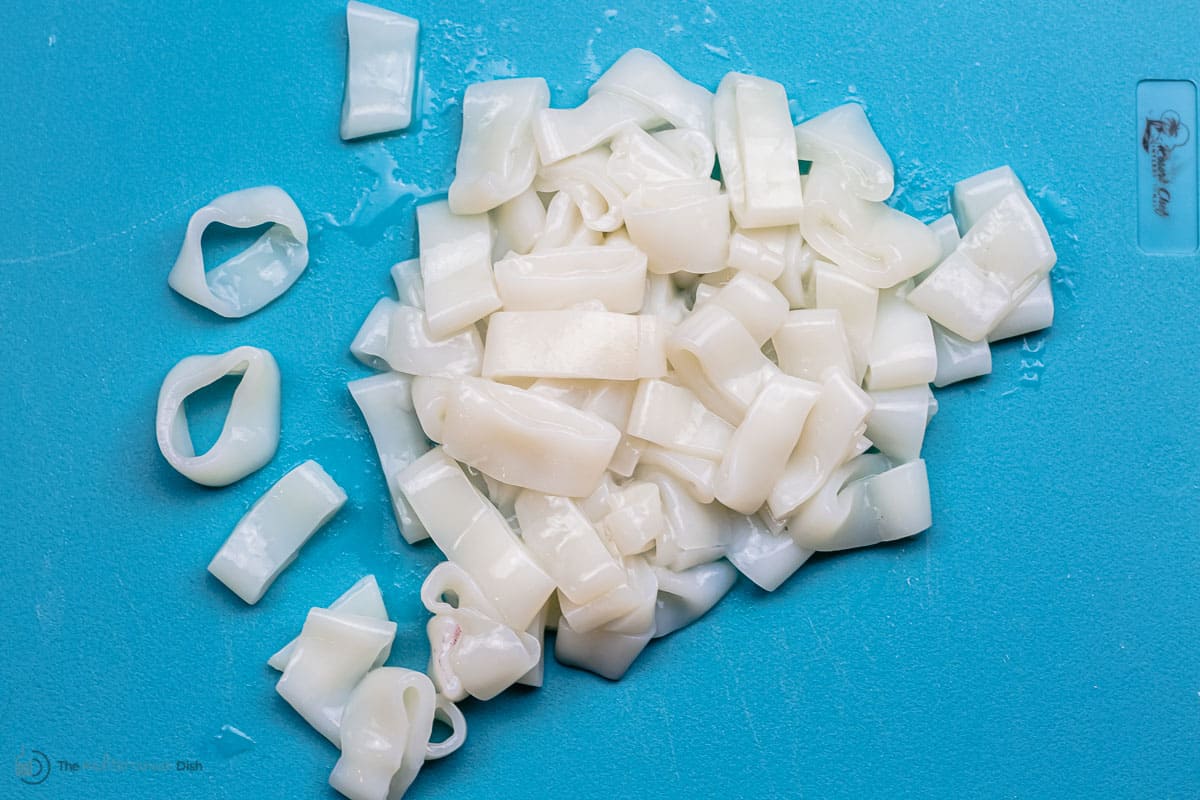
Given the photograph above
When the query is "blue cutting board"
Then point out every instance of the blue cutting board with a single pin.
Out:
(1040, 641)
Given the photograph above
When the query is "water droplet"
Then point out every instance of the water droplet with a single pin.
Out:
(232, 742)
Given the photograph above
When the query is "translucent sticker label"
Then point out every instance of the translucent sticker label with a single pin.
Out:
(1167, 210)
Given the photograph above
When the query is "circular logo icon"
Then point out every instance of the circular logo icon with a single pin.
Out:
(33, 767)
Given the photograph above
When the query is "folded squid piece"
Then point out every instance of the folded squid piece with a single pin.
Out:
(386, 404)
(639, 157)
(456, 268)
(643, 76)
(550, 280)
(257, 275)
(842, 138)
(902, 351)
(684, 597)
(635, 520)
(474, 535)
(759, 449)
(334, 651)
(694, 531)
(430, 397)
(363, 599)
(697, 474)
(628, 608)
(1034, 313)
(497, 159)
(564, 132)
(568, 547)
(796, 279)
(754, 302)
(898, 421)
(564, 226)
(406, 275)
(413, 349)
(695, 148)
(999, 262)
(831, 434)
(268, 538)
(574, 344)
(766, 557)
(519, 222)
(381, 70)
(606, 653)
(584, 178)
(250, 433)
(370, 344)
(760, 251)
(673, 417)
(680, 225)
(716, 357)
(756, 147)
(871, 242)
(811, 342)
(663, 300)
(865, 502)
(472, 650)
(385, 734)
(973, 197)
(857, 303)
(959, 359)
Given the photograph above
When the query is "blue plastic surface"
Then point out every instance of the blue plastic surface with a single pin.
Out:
(1042, 640)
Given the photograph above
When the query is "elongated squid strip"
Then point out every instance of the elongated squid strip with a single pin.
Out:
(843, 138)
(584, 178)
(756, 147)
(370, 345)
(334, 651)
(635, 519)
(645, 77)
(766, 557)
(696, 473)
(684, 597)
(759, 449)
(472, 533)
(873, 502)
(537, 629)
(973, 197)
(754, 302)
(795, 282)
(1032, 314)
(957, 358)
(871, 242)
(363, 599)
(639, 157)
(413, 349)
(811, 342)
(250, 433)
(574, 344)
(386, 404)
(682, 225)
(568, 547)
(902, 351)
(556, 279)
(898, 421)
(519, 222)
(718, 359)
(497, 158)
(673, 417)
(430, 398)
(607, 653)
(257, 275)
(694, 532)
(999, 262)
(406, 275)
(564, 132)
(381, 70)
(564, 226)
(760, 251)
(385, 734)
(268, 538)
(832, 429)
(629, 608)
(857, 304)
(450, 715)
(456, 268)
